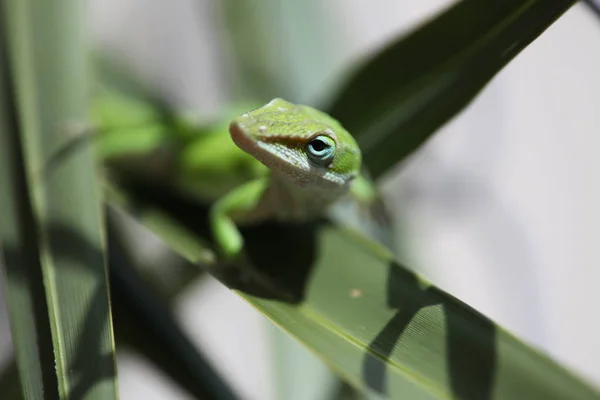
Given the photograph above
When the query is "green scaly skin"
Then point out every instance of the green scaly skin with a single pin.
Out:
(311, 161)
(286, 162)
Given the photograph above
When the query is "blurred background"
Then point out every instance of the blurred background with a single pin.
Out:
(499, 208)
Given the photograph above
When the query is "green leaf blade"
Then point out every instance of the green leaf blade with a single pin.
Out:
(48, 65)
(387, 330)
(19, 259)
(401, 96)
(380, 326)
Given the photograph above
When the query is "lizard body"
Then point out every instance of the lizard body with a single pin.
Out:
(311, 161)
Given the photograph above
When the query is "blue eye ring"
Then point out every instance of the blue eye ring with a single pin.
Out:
(321, 149)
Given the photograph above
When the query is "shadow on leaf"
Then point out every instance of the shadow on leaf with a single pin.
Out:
(470, 337)
(280, 256)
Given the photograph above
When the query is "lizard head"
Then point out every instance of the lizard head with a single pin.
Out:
(300, 143)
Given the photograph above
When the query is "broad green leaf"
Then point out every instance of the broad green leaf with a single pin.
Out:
(54, 189)
(299, 375)
(398, 98)
(377, 324)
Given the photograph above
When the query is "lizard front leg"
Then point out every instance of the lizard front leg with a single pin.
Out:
(240, 202)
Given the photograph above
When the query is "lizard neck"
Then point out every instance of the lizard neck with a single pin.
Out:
(286, 200)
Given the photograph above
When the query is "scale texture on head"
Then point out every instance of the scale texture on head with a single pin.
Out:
(300, 143)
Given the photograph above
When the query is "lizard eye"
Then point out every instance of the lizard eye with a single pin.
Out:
(321, 149)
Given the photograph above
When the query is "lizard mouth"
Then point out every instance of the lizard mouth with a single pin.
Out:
(255, 147)
(241, 139)
(281, 158)
(268, 152)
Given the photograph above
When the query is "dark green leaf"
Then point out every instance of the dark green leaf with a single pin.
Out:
(400, 97)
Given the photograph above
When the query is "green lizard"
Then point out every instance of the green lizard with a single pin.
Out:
(281, 161)
(312, 161)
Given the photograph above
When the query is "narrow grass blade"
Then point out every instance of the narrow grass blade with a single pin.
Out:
(400, 97)
(19, 257)
(47, 54)
(144, 322)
